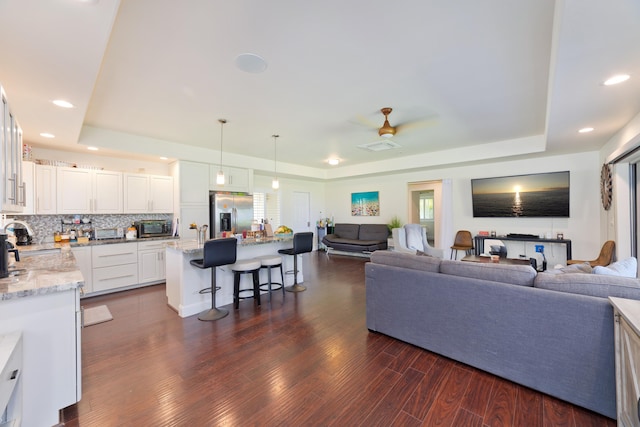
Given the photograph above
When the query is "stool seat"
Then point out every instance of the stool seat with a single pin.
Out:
(246, 265)
(269, 260)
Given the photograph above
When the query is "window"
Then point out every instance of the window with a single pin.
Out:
(267, 206)
(426, 206)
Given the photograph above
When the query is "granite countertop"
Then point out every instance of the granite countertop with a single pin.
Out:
(52, 271)
(191, 246)
(53, 245)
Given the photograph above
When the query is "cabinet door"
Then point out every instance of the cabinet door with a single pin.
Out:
(194, 183)
(151, 266)
(29, 178)
(238, 179)
(160, 194)
(74, 195)
(629, 364)
(107, 192)
(83, 260)
(136, 193)
(46, 190)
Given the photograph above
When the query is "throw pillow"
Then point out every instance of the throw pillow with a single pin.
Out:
(422, 253)
(626, 268)
(584, 267)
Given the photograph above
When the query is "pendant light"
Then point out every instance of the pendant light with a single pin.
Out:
(275, 184)
(220, 176)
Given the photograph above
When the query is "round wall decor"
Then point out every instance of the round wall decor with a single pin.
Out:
(606, 188)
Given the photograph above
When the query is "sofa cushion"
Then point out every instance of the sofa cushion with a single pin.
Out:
(377, 232)
(594, 285)
(625, 268)
(407, 260)
(347, 231)
(522, 275)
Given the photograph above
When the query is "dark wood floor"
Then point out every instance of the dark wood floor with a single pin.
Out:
(305, 361)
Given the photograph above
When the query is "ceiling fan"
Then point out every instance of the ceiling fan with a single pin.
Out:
(386, 131)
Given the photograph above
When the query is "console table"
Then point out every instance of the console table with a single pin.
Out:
(479, 242)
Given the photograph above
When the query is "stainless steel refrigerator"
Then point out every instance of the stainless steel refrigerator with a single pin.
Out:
(230, 212)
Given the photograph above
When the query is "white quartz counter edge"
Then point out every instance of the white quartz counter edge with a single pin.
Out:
(42, 274)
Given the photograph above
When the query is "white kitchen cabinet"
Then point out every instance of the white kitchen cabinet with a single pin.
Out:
(151, 262)
(51, 342)
(29, 179)
(83, 260)
(114, 266)
(148, 193)
(11, 186)
(46, 190)
(86, 191)
(193, 181)
(235, 179)
(627, 352)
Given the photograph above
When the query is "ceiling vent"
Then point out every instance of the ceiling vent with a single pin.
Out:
(379, 145)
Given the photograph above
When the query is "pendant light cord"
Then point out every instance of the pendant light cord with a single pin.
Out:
(222, 122)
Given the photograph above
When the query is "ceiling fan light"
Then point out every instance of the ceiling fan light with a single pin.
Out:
(220, 178)
(386, 134)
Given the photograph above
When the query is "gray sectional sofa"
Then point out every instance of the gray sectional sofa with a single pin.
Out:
(357, 237)
(551, 332)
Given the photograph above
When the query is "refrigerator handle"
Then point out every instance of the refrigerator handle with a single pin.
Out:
(234, 219)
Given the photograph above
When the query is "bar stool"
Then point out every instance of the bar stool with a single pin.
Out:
(269, 262)
(302, 242)
(245, 267)
(216, 253)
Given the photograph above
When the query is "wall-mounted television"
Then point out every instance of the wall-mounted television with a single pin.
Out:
(533, 195)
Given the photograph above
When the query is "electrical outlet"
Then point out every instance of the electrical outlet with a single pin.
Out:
(540, 248)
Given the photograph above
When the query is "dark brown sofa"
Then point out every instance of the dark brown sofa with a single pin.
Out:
(357, 237)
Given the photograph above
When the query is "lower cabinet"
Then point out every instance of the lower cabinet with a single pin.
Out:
(151, 267)
(114, 266)
(627, 351)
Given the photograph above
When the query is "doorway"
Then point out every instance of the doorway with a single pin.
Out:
(425, 208)
(301, 211)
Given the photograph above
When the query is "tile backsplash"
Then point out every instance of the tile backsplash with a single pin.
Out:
(45, 225)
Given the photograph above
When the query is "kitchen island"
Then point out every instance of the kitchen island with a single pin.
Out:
(185, 281)
(41, 299)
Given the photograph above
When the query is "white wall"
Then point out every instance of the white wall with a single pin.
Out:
(582, 227)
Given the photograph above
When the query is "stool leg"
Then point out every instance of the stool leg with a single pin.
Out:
(282, 280)
(214, 313)
(269, 281)
(256, 286)
(296, 287)
(236, 290)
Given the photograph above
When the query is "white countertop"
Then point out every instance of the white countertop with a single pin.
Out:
(42, 274)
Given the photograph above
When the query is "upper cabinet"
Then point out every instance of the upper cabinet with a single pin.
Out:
(46, 190)
(29, 177)
(85, 191)
(12, 186)
(235, 179)
(148, 193)
(193, 178)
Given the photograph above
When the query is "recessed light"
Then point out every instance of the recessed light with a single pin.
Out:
(92, 148)
(251, 63)
(586, 130)
(164, 158)
(47, 135)
(334, 162)
(62, 103)
(616, 79)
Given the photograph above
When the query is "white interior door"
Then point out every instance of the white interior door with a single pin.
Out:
(301, 212)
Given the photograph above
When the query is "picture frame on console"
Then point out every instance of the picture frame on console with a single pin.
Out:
(531, 195)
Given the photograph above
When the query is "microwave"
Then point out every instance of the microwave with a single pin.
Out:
(153, 228)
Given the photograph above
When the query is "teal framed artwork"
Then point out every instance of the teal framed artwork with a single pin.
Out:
(365, 204)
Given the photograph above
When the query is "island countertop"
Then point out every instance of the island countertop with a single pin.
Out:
(192, 247)
(53, 271)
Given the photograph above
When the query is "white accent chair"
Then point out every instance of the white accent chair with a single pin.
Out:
(412, 238)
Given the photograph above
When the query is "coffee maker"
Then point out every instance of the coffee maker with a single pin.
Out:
(5, 248)
(22, 235)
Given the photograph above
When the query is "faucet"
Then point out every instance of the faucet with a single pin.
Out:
(17, 221)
